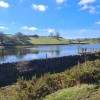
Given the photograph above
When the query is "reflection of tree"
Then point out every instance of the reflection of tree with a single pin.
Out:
(78, 47)
(19, 53)
(2, 57)
(57, 50)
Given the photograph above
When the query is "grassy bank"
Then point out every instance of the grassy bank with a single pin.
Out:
(70, 83)
(84, 92)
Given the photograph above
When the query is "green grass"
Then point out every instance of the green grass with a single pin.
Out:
(48, 40)
(84, 92)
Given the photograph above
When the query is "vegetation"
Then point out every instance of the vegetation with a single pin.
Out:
(9, 72)
(84, 92)
(48, 40)
(85, 40)
(69, 83)
(21, 39)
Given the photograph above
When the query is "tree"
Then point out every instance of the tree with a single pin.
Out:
(51, 34)
(11, 40)
(2, 37)
(19, 35)
(79, 40)
(36, 36)
(57, 35)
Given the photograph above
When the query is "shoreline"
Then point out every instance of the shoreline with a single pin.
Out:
(27, 69)
(25, 46)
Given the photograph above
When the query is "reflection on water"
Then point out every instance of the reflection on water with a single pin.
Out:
(13, 55)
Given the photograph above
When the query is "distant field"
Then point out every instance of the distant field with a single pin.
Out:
(48, 40)
(89, 41)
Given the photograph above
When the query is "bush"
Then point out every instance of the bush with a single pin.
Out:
(38, 88)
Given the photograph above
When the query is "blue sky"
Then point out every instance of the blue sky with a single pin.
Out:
(72, 18)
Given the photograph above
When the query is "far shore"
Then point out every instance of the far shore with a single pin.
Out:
(29, 46)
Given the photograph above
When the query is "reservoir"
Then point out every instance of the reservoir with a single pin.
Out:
(42, 51)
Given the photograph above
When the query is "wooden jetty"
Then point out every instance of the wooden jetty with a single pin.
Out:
(82, 51)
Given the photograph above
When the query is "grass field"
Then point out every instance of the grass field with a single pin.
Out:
(48, 40)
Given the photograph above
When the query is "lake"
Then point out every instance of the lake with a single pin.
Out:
(38, 52)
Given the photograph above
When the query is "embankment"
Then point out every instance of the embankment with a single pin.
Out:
(9, 72)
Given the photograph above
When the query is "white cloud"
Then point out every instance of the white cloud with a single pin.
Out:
(82, 30)
(60, 1)
(24, 27)
(32, 28)
(98, 23)
(50, 30)
(39, 7)
(2, 27)
(90, 8)
(84, 2)
(84, 7)
(29, 28)
(4, 4)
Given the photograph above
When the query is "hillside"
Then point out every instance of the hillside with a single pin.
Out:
(80, 82)
(84, 92)
(21, 39)
(48, 40)
(12, 40)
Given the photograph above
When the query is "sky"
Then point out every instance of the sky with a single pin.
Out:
(71, 18)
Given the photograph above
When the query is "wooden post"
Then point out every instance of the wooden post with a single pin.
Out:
(46, 56)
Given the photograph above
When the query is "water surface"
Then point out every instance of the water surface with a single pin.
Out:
(37, 52)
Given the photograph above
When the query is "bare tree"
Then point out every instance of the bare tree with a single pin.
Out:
(19, 35)
(57, 35)
(2, 37)
(51, 34)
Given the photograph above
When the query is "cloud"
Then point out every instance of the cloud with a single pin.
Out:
(82, 30)
(24, 27)
(39, 7)
(90, 8)
(84, 2)
(50, 30)
(2, 27)
(98, 23)
(4, 4)
(29, 28)
(60, 1)
(32, 28)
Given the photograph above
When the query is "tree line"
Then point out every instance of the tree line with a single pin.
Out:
(18, 38)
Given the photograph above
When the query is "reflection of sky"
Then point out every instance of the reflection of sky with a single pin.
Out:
(50, 51)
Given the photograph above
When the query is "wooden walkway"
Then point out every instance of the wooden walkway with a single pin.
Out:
(87, 51)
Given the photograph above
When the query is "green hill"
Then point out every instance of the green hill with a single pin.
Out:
(48, 40)
(11, 40)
